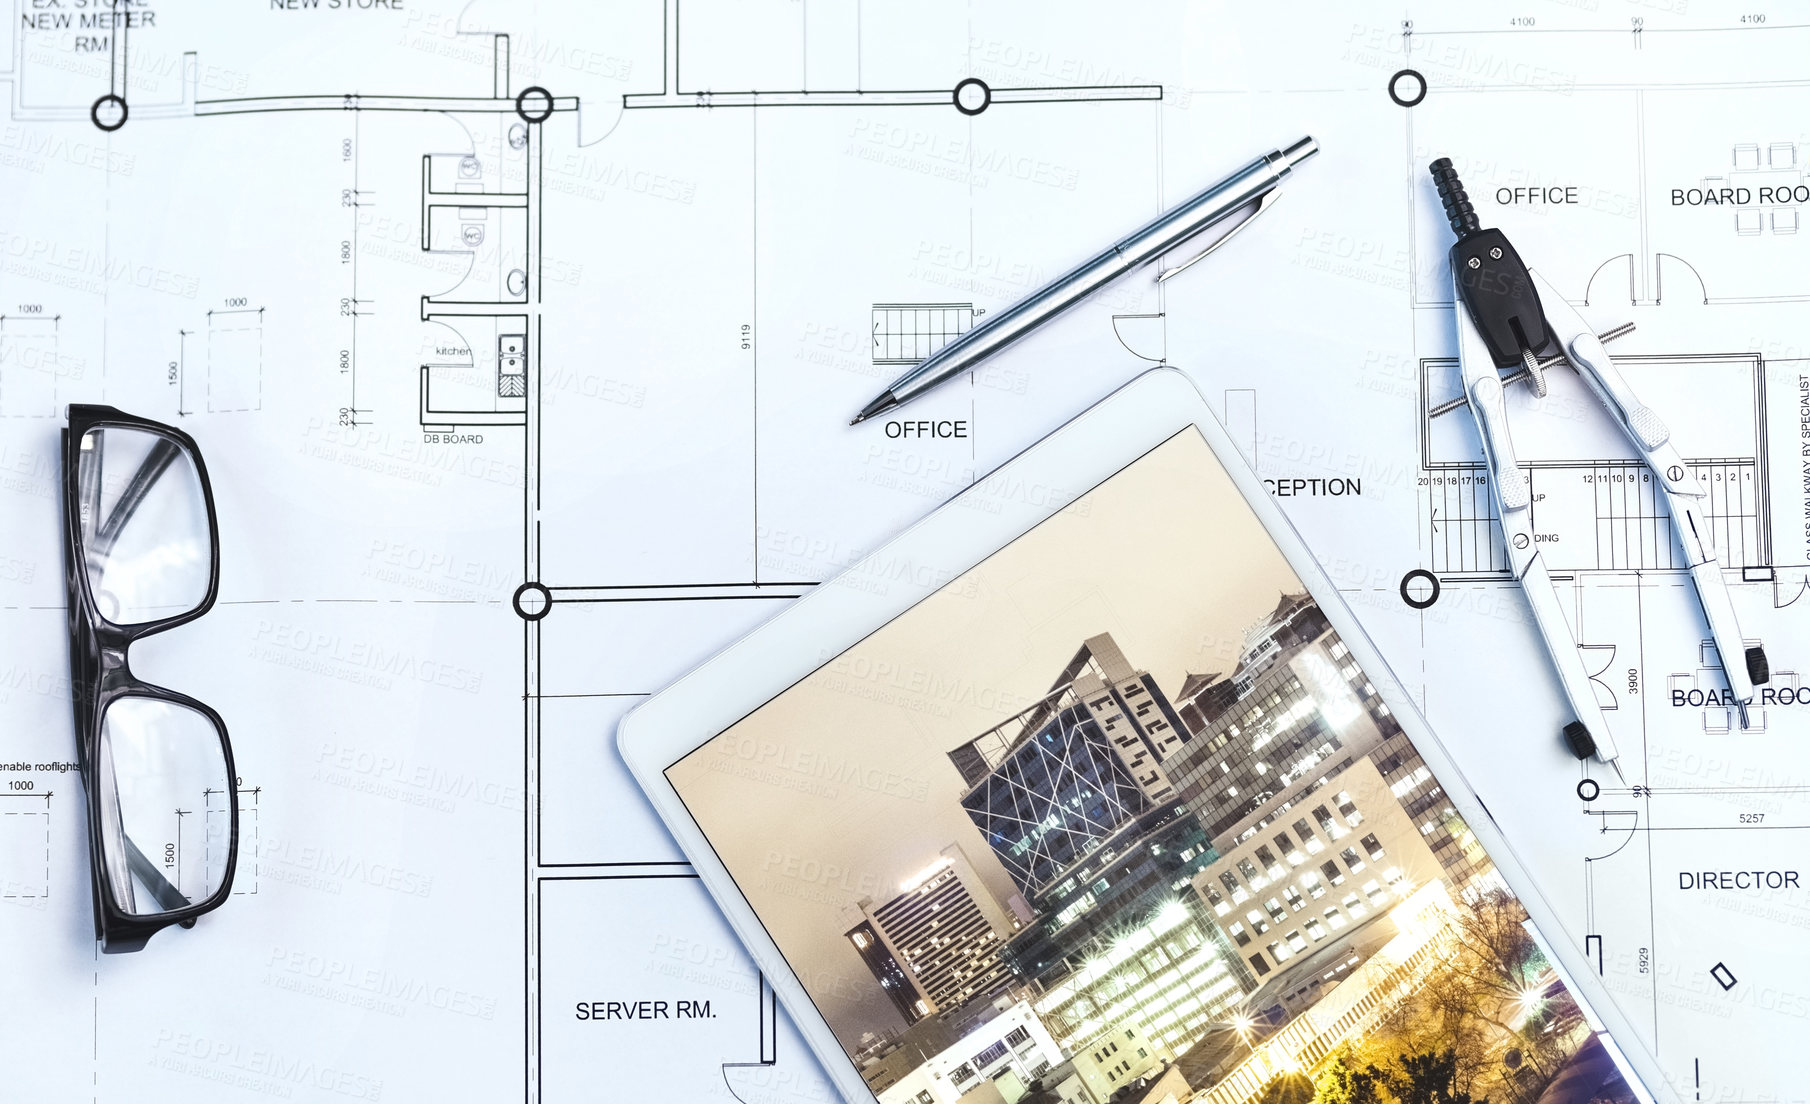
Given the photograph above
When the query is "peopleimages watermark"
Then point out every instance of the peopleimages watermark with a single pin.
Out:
(86, 269)
(257, 1068)
(406, 457)
(321, 867)
(815, 771)
(367, 662)
(408, 781)
(377, 982)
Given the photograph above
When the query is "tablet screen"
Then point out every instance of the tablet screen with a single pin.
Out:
(1117, 815)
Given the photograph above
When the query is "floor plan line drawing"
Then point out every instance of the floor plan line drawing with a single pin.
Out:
(913, 323)
(235, 360)
(905, 333)
(1622, 526)
(1596, 506)
(1779, 210)
(26, 875)
(492, 268)
(29, 366)
(970, 96)
(684, 592)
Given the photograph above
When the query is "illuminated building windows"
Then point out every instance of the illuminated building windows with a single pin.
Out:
(1257, 881)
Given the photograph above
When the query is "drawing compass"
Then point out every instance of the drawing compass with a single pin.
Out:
(1514, 319)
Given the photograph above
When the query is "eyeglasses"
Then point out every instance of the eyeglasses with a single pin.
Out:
(141, 552)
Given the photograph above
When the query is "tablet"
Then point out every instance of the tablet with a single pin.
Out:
(1088, 787)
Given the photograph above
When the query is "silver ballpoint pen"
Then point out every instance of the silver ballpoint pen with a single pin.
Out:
(1253, 187)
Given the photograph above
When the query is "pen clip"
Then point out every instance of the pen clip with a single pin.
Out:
(1261, 206)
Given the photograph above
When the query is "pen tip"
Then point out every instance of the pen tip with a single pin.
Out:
(885, 402)
(856, 420)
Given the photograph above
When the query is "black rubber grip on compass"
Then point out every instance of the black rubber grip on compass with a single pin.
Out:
(1458, 209)
(1577, 738)
(1758, 669)
(1497, 289)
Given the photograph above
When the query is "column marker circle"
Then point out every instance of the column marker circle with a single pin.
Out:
(109, 104)
(1420, 575)
(532, 601)
(1419, 83)
(963, 96)
(534, 104)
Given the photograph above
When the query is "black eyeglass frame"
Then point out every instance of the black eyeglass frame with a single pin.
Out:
(99, 675)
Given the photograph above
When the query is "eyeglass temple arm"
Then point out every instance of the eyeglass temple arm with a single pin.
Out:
(88, 480)
(167, 894)
(140, 866)
(158, 461)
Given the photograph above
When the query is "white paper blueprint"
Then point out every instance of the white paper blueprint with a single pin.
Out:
(465, 297)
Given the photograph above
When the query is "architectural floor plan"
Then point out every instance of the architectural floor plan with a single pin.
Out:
(523, 339)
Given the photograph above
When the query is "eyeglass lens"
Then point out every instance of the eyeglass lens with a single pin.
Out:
(166, 812)
(144, 527)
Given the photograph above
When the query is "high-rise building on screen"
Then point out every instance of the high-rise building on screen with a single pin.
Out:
(935, 946)
(1304, 712)
(1047, 786)
(892, 975)
(1300, 704)
(1075, 797)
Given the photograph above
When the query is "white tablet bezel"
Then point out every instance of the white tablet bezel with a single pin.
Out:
(980, 521)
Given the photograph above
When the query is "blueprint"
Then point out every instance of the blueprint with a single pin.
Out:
(522, 338)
